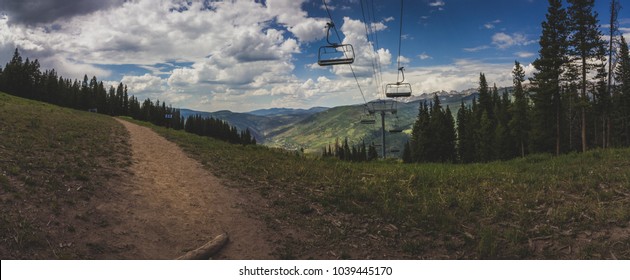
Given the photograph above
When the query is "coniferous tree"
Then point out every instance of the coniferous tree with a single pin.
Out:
(465, 134)
(420, 133)
(449, 137)
(550, 66)
(519, 125)
(485, 97)
(484, 136)
(586, 46)
(621, 98)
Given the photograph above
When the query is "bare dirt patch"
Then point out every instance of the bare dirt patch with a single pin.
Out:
(169, 204)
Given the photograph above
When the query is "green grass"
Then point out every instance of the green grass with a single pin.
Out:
(53, 161)
(494, 210)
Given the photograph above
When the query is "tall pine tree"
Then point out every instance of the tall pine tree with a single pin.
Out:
(550, 66)
(587, 47)
(519, 124)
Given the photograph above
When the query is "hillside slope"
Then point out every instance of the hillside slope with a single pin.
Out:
(78, 185)
(54, 164)
(540, 207)
(324, 128)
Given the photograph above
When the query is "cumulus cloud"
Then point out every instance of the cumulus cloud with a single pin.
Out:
(503, 41)
(460, 75)
(290, 14)
(365, 55)
(145, 84)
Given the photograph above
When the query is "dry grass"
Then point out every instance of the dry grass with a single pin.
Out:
(53, 162)
(539, 207)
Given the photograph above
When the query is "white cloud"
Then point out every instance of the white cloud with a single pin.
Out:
(437, 3)
(424, 56)
(240, 55)
(72, 69)
(525, 54)
(476, 49)
(492, 24)
(235, 49)
(290, 14)
(145, 84)
(503, 41)
(460, 75)
(404, 60)
(365, 56)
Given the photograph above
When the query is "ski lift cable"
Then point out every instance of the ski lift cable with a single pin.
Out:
(375, 34)
(366, 22)
(339, 38)
(399, 89)
(400, 38)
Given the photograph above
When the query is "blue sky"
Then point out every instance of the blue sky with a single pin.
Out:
(247, 55)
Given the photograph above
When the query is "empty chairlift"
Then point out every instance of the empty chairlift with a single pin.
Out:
(333, 53)
(368, 121)
(367, 117)
(399, 88)
(396, 128)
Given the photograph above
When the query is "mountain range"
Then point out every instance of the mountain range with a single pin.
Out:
(315, 128)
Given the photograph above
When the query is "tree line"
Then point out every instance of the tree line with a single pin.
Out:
(219, 129)
(354, 153)
(24, 78)
(578, 98)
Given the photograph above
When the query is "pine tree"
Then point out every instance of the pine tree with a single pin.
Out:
(621, 97)
(484, 135)
(485, 97)
(449, 137)
(587, 46)
(550, 66)
(465, 134)
(519, 124)
(420, 133)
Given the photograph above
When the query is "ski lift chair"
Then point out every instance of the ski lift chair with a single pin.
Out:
(399, 88)
(333, 53)
(396, 128)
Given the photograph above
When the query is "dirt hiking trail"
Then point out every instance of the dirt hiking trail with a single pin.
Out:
(170, 204)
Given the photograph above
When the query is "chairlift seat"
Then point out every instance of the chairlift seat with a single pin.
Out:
(368, 121)
(398, 90)
(335, 55)
(396, 130)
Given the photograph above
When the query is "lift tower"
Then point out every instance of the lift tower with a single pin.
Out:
(382, 107)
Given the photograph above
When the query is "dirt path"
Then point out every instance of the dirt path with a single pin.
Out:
(169, 204)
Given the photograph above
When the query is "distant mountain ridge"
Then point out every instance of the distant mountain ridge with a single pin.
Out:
(287, 111)
(311, 129)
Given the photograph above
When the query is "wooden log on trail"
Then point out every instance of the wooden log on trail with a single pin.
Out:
(207, 250)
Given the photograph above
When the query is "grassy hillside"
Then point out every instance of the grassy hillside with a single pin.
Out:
(573, 206)
(54, 163)
(324, 128)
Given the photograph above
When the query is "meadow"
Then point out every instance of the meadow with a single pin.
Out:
(572, 206)
(56, 165)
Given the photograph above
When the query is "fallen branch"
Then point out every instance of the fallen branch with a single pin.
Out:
(207, 250)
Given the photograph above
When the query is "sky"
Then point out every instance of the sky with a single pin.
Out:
(248, 55)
